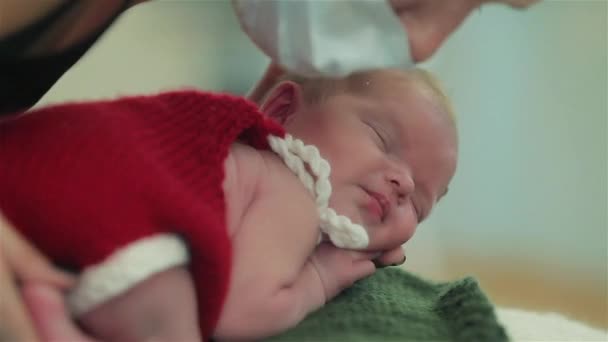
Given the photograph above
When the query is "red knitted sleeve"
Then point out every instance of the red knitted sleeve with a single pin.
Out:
(85, 181)
(71, 183)
(75, 182)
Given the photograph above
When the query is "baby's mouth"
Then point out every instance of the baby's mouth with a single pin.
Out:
(377, 205)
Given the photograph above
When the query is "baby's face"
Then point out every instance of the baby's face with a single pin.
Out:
(392, 151)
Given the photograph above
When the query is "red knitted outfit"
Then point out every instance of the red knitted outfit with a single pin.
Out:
(83, 180)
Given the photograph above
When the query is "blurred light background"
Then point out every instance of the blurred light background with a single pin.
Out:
(526, 213)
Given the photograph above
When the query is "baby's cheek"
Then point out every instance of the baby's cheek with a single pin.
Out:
(404, 226)
(346, 202)
(409, 228)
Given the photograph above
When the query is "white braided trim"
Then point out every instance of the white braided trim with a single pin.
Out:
(341, 230)
(124, 269)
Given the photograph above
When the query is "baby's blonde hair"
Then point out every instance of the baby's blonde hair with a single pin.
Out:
(317, 90)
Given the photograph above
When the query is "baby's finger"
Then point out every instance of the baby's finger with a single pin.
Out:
(49, 314)
(26, 262)
(392, 257)
(363, 268)
(358, 255)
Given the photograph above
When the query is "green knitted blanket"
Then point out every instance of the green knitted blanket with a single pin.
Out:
(393, 305)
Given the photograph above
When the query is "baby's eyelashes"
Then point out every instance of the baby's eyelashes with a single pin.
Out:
(377, 136)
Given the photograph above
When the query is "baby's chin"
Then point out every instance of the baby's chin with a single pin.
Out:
(357, 214)
(350, 202)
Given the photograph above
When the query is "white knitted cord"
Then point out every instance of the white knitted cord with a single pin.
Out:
(125, 268)
(341, 230)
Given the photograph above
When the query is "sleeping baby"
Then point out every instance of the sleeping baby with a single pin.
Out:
(191, 215)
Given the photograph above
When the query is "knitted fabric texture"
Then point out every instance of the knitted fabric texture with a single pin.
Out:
(83, 180)
(393, 305)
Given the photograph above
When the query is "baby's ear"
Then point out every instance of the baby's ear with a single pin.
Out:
(283, 101)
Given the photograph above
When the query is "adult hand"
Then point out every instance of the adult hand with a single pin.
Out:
(20, 263)
(50, 316)
(429, 22)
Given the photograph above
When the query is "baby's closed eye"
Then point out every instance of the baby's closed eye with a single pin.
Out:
(378, 135)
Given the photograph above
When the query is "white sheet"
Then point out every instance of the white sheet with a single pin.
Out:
(546, 326)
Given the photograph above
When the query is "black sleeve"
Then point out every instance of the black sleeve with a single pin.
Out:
(24, 80)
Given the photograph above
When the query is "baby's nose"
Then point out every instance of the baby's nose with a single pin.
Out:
(402, 183)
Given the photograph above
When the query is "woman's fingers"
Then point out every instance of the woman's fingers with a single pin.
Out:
(15, 323)
(50, 315)
(25, 262)
(20, 263)
(37, 312)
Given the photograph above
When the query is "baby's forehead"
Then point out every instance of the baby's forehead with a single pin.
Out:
(401, 87)
(364, 83)
(396, 85)
(381, 83)
(366, 80)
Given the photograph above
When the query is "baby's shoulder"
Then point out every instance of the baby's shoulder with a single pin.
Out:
(258, 181)
(250, 169)
(243, 158)
(243, 168)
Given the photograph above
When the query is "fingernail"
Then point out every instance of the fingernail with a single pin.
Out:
(400, 263)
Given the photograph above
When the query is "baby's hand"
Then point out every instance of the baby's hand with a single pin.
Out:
(340, 268)
(161, 308)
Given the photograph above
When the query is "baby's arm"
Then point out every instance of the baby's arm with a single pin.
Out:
(160, 308)
(275, 282)
(327, 272)
(339, 268)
